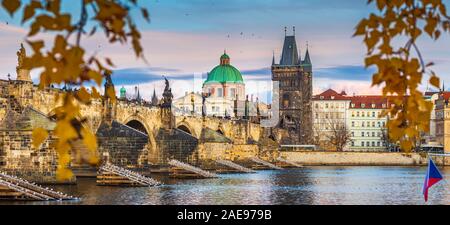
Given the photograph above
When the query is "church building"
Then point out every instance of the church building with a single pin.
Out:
(223, 89)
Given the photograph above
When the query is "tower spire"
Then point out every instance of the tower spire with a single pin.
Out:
(307, 60)
(273, 58)
(293, 28)
(285, 31)
(289, 55)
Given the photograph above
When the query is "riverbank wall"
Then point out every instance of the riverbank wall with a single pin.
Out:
(324, 158)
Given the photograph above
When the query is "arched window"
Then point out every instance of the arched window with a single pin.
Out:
(286, 101)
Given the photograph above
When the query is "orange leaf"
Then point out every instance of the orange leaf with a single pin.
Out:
(38, 137)
(11, 6)
(435, 81)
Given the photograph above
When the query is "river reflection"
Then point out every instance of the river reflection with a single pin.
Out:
(311, 185)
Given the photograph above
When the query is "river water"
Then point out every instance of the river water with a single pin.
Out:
(309, 185)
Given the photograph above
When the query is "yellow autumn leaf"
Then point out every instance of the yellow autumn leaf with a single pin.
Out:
(63, 174)
(96, 76)
(11, 6)
(30, 10)
(83, 95)
(65, 131)
(435, 81)
(39, 135)
(95, 93)
(406, 145)
(111, 93)
(89, 139)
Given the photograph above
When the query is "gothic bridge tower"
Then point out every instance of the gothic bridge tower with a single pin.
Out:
(295, 79)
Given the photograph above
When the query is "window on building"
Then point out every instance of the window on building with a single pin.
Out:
(357, 114)
(378, 143)
(362, 134)
(368, 144)
(353, 134)
(373, 143)
(286, 101)
(362, 143)
(373, 114)
(362, 124)
(326, 105)
(353, 123)
(363, 114)
(232, 92)
(363, 105)
(219, 92)
(373, 124)
(353, 143)
(373, 134)
(317, 106)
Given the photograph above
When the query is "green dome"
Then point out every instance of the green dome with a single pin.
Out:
(123, 90)
(224, 73)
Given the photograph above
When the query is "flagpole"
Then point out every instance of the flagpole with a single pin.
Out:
(430, 163)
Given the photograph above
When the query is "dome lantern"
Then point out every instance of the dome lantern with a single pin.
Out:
(123, 93)
(225, 59)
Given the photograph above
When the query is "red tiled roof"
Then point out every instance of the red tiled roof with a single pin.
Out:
(430, 93)
(445, 95)
(368, 102)
(331, 94)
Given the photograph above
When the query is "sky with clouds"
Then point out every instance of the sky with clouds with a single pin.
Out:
(186, 38)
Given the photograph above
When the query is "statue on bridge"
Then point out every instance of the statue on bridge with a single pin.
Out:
(167, 95)
(21, 54)
(22, 73)
(108, 106)
(167, 117)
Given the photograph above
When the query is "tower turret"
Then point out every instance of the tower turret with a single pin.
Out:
(123, 93)
(307, 64)
(154, 98)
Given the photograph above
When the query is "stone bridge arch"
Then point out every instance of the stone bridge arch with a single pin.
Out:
(138, 123)
(186, 127)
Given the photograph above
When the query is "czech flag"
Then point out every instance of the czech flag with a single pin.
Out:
(433, 176)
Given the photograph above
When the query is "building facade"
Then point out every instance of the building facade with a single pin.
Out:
(358, 116)
(295, 97)
(431, 137)
(442, 120)
(366, 123)
(330, 111)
